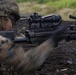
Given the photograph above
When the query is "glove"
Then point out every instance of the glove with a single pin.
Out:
(5, 45)
(58, 35)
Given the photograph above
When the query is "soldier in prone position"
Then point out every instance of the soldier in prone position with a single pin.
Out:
(14, 55)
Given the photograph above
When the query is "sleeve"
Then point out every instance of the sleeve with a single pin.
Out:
(30, 60)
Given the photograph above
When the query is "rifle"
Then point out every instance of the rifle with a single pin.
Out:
(40, 28)
(44, 27)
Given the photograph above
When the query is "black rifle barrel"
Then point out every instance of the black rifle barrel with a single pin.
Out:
(71, 16)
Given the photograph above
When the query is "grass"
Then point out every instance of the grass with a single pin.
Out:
(38, 1)
(58, 3)
(44, 7)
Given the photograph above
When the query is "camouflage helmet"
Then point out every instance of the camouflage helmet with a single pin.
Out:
(9, 8)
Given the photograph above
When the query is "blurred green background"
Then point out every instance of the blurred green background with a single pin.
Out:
(45, 7)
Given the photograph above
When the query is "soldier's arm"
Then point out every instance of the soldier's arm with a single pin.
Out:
(32, 59)
(27, 61)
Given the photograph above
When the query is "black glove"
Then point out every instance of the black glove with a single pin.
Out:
(58, 35)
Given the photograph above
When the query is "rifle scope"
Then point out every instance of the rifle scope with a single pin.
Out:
(49, 18)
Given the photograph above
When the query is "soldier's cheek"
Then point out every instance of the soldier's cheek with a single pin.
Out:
(9, 25)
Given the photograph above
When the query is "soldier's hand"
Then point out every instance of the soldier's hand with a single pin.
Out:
(5, 45)
(58, 34)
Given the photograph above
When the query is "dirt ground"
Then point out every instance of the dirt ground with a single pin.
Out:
(61, 61)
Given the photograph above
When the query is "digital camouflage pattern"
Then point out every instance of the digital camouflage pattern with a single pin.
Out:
(9, 7)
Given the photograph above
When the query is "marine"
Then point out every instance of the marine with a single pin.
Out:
(16, 56)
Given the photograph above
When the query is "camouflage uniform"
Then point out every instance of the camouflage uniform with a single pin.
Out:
(13, 55)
